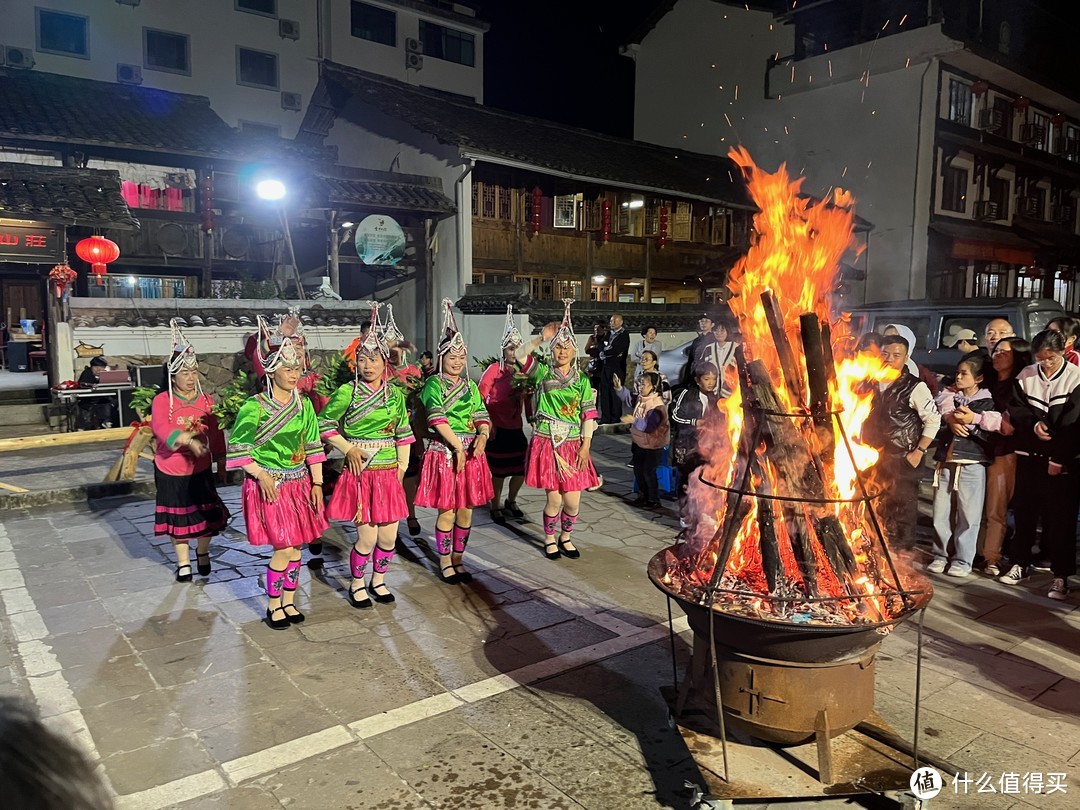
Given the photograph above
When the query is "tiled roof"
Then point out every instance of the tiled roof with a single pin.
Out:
(534, 142)
(401, 193)
(48, 107)
(62, 195)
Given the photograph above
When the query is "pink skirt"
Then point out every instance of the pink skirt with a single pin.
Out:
(289, 521)
(443, 489)
(542, 472)
(374, 496)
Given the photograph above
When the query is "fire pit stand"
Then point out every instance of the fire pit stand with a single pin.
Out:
(788, 676)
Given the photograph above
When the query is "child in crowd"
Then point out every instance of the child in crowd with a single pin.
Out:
(964, 451)
(649, 430)
(1070, 330)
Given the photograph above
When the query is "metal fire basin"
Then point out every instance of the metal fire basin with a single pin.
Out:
(791, 703)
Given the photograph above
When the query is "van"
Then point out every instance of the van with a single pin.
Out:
(933, 321)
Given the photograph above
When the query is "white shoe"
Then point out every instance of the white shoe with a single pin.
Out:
(992, 570)
(1014, 576)
(599, 483)
(1058, 590)
(937, 566)
(958, 571)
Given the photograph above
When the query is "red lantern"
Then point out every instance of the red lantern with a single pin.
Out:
(537, 202)
(661, 229)
(1022, 103)
(1034, 271)
(1057, 120)
(206, 201)
(97, 251)
(979, 87)
(605, 220)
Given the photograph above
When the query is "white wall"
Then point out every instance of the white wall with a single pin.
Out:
(873, 138)
(387, 60)
(215, 28)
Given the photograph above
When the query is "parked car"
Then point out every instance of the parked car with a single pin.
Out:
(933, 321)
(672, 362)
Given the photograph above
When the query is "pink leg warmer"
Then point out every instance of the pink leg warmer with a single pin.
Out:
(551, 523)
(275, 582)
(382, 558)
(358, 563)
(443, 542)
(292, 575)
(461, 538)
(568, 522)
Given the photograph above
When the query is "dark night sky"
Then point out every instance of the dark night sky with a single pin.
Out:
(559, 59)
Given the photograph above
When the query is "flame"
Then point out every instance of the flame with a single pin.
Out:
(800, 566)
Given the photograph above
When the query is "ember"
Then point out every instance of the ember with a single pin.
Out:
(782, 528)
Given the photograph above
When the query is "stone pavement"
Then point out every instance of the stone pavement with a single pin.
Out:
(537, 685)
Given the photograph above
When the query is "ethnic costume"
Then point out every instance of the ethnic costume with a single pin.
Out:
(565, 418)
(454, 404)
(188, 505)
(508, 446)
(281, 440)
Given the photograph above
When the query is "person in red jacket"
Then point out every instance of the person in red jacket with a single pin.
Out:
(188, 437)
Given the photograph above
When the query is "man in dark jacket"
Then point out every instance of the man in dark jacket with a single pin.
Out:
(902, 423)
(613, 356)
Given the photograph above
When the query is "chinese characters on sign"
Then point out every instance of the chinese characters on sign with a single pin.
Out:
(30, 244)
(1010, 783)
(380, 241)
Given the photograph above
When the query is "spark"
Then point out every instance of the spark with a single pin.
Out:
(886, 25)
(786, 131)
(907, 62)
(844, 172)
(736, 92)
(728, 120)
(903, 19)
(830, 68)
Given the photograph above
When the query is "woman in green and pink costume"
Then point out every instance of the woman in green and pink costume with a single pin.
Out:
(275, 440)
(566, 416)
(368, 422)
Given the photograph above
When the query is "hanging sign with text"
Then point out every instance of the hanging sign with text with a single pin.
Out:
(380, 241)
(28, 244)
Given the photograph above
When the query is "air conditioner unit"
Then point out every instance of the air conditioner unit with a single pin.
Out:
(413, 45)
(1032, 134)
(991, 120)
(292, 101)
(413, 61)
(1063, 214)
(288, 29)
(1031, 207)
(986, 210)
(128, 74)
(18, 57)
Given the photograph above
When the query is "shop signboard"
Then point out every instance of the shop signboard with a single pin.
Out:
(380, 241)
(31, 243)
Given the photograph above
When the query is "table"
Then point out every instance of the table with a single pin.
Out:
(69, 401)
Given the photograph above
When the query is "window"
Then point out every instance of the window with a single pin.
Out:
(268, 8)
(256, 69)
(998, 191)
(960, 102)
(62, 33)
(448, 44)
(124, 286)
(166, 51)
(373, 23)
(259, 130)
(954, 185)
(565, 211)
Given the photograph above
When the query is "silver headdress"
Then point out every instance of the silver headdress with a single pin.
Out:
(452, 340)
(183, 358)
(565, 334)
(391, 335)
(276, 349)
(374, 342)
(511, 336)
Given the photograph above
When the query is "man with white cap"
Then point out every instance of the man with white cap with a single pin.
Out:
(965, 340)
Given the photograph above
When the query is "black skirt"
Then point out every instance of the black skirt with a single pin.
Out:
(506, 452)
(188, 505)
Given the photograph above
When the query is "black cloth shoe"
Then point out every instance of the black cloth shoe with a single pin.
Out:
(383, 598)
(362, 604)
(181, 576)
(513, 509)
(204, 568)
(295, 617)
(277, 624)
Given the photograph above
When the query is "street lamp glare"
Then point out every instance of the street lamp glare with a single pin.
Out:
(270, 189)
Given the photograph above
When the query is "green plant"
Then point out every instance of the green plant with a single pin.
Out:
(142, 399)
(232, 397)
(483, 362)
(335, 373)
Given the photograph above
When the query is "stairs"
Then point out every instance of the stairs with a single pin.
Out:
(23, 412)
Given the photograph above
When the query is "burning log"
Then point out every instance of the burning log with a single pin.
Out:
(818, 367)
(790, 369)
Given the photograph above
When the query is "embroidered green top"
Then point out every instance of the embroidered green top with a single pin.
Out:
(274, 435)
(375, 420)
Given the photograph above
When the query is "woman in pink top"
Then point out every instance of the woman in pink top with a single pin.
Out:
(188, 437)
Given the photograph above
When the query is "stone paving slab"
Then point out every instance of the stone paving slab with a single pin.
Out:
(536, 685)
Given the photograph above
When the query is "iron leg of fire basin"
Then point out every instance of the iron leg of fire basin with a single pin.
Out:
(824, 748)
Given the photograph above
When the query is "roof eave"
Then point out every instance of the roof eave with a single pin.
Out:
(473, 154)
